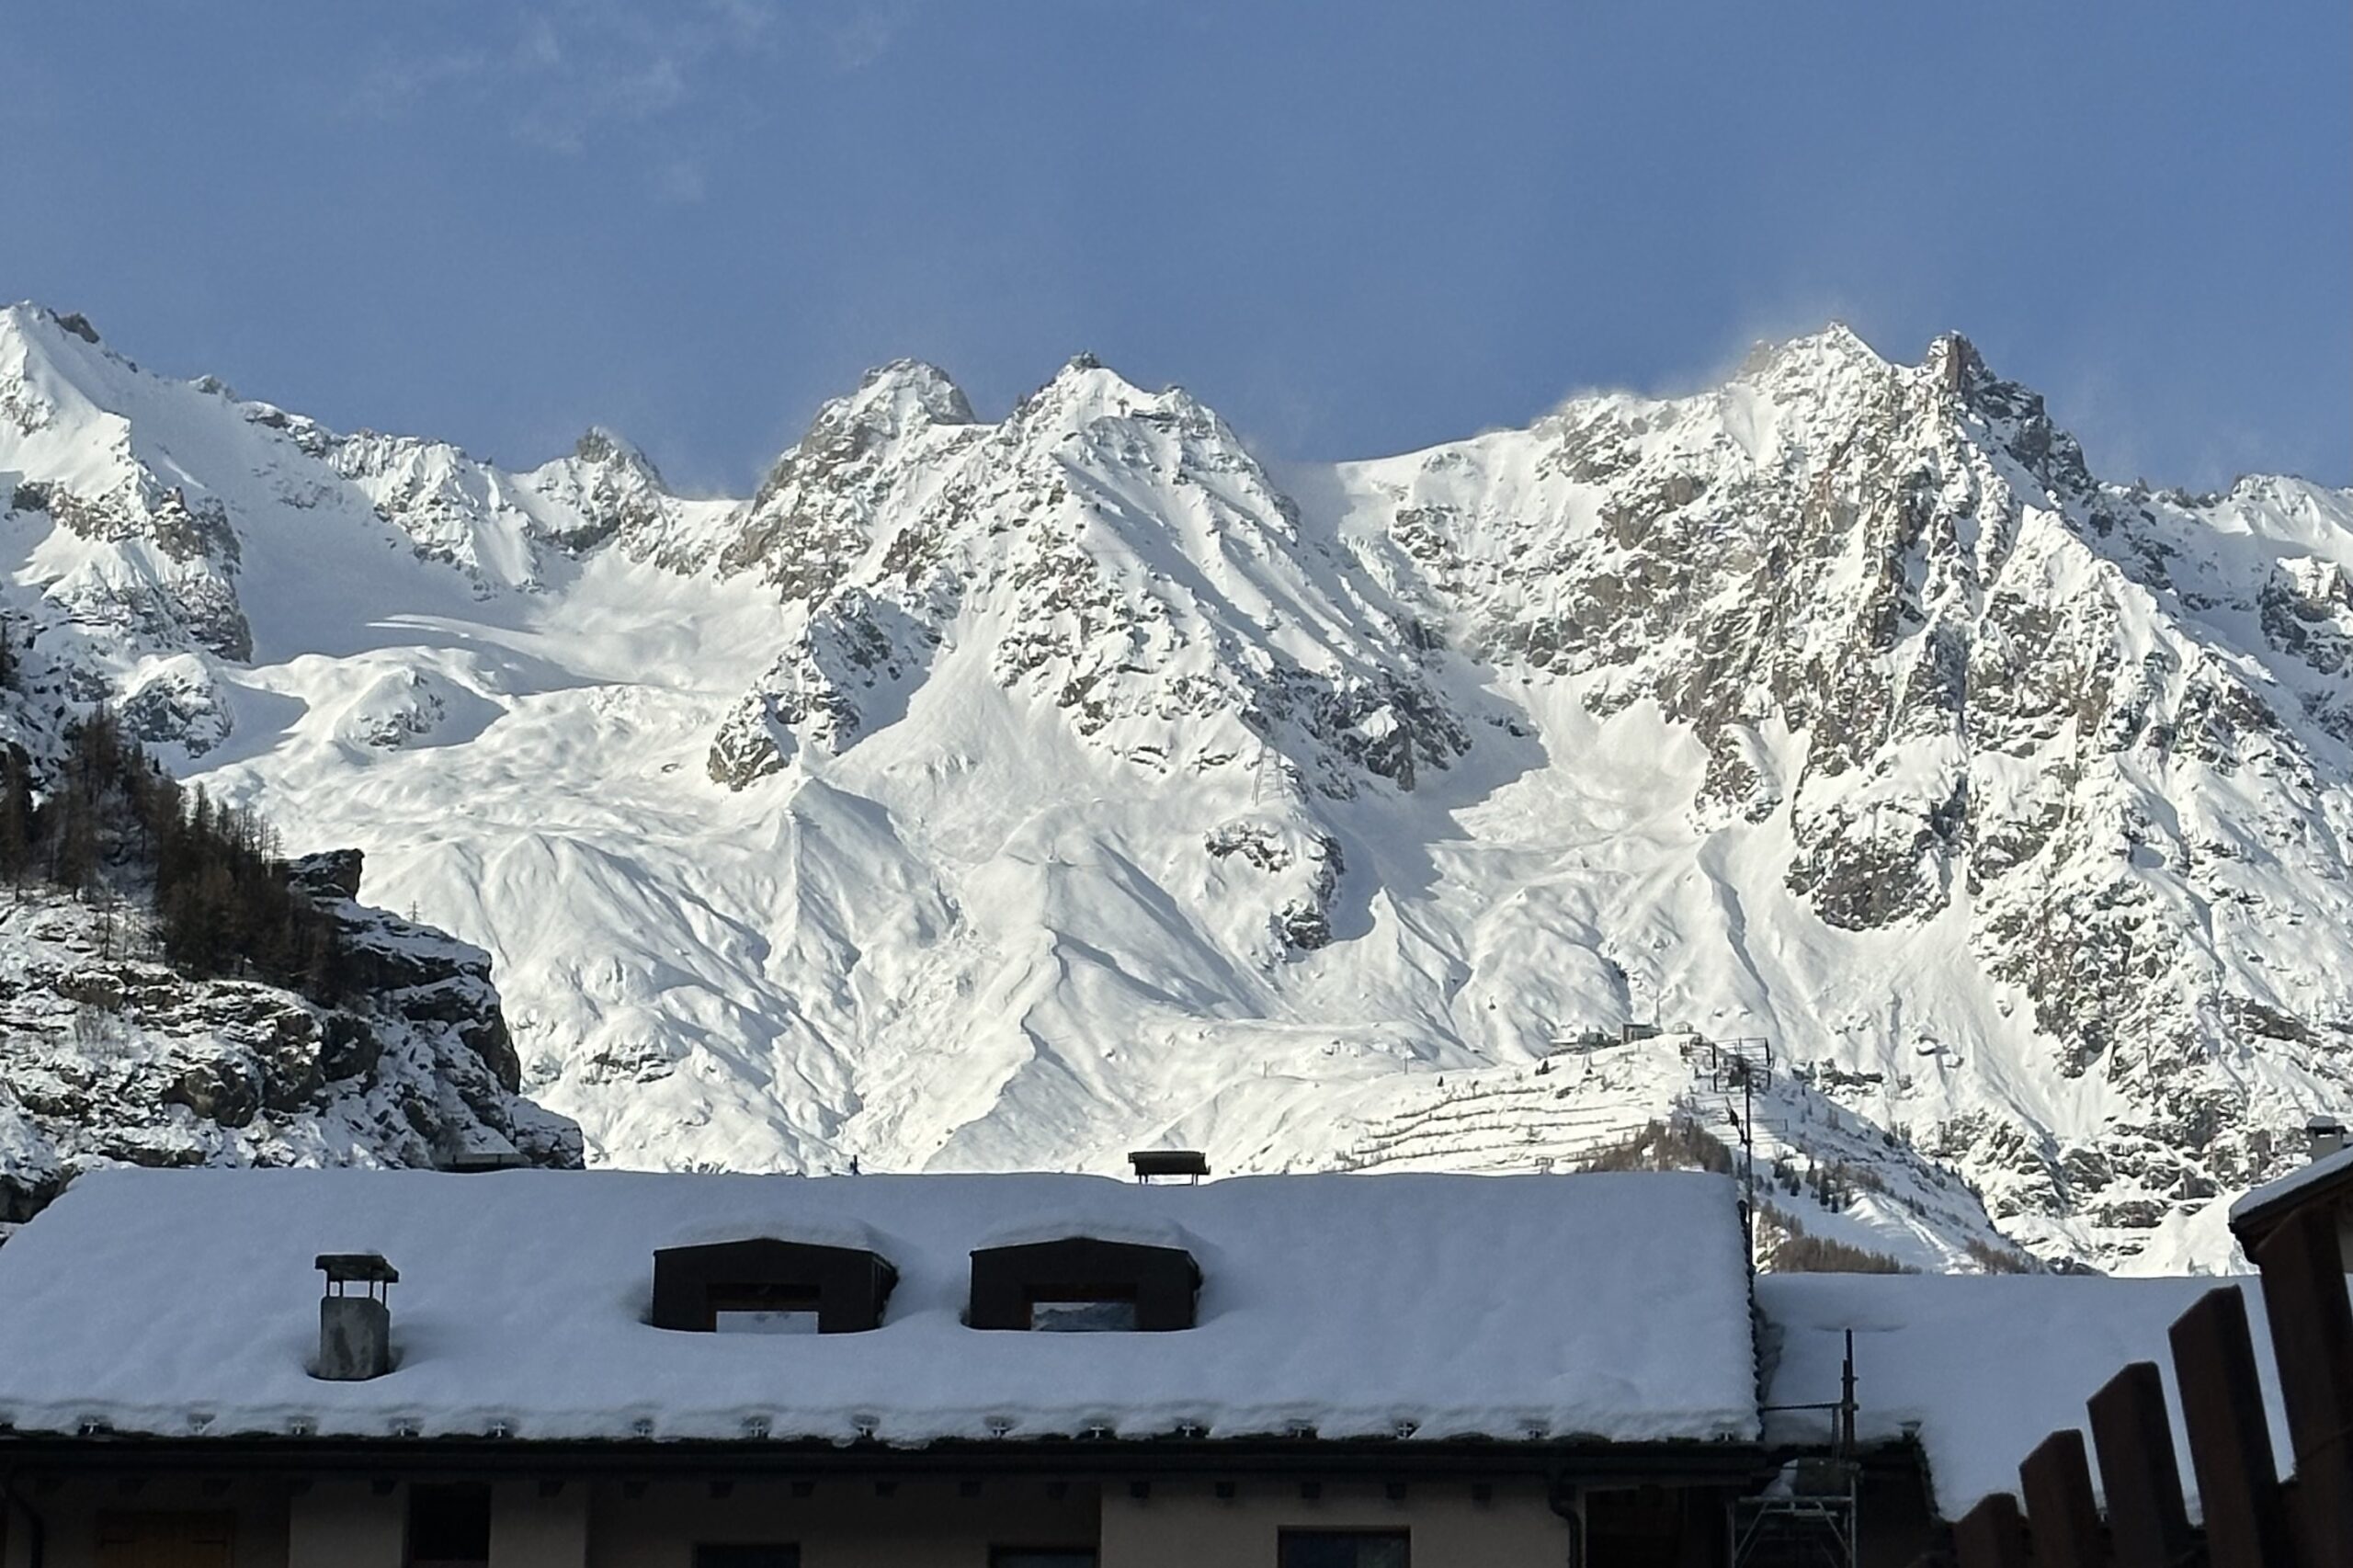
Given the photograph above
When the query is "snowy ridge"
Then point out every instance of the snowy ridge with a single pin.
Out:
(1015, 792)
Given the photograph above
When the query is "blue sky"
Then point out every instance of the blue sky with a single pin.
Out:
(1354, 228)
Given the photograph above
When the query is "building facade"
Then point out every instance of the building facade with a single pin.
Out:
(527, 1369)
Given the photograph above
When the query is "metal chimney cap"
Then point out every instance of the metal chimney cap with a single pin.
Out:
(343, 1268)
(1151, 1163)
(2320, 1122)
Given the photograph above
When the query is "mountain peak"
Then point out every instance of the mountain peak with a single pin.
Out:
(25, 317)
(1833, 347)
(1086, 388)
(1085, 369)
(601, 446)
(892, 401)
(1955, 363)
(905, 392)
(1836, 337)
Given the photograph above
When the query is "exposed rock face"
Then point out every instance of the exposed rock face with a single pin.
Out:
(1005, 792)
(181, 590)
(501, 529)
(1312, 865)
(175, 701)
(899, 516)
(109, 1056)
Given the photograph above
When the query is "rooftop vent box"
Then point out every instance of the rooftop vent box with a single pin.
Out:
(2325, 1135)
(355, 1332)
(1169, 1165)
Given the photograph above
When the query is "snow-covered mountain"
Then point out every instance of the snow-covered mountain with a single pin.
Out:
(1014, 792)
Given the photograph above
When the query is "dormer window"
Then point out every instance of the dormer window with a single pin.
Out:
(1083, 1285)
(765, 1286)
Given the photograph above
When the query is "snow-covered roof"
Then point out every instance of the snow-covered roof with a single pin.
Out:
(2273, 1199)
(1982, 1369)
(181, 1302)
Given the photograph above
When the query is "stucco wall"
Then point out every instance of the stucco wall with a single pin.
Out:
(70, 1510)
(529, 1529)
(345, 1523)
(840, 1524)
(1187, 1525)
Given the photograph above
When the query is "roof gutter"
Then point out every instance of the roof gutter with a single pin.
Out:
(1559, 1464)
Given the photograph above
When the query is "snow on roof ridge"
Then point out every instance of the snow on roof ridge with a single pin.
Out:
(2316, 1173)
(1139, 1229)
(853, 1236)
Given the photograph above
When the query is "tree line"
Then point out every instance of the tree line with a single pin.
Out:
(215, 877)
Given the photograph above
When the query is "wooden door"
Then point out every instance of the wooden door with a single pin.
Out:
(165, 1540)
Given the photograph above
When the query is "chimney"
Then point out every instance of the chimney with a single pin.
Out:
(355, 1331)
(1188, 1166)
(2324, 1135)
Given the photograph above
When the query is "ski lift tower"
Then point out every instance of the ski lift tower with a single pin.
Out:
(1742, 1066)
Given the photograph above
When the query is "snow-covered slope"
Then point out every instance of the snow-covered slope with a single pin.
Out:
(1011, 793)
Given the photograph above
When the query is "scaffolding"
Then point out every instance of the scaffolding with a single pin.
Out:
(1806, 1518)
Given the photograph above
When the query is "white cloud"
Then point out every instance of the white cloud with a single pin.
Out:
(571, 70)
(394, 84)
(865, 31)
(681, 183)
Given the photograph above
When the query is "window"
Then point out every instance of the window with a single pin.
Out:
(772, 1554)
(449, 1527)
(186, 1541)
(1041, 1557)
(763, 1309)
(1084, 1285)
(765, 1286)
(1642, 1527)
(1085, 1315)
(1346, 1549)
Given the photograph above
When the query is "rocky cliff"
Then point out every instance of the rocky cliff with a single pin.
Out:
(108, 1054)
